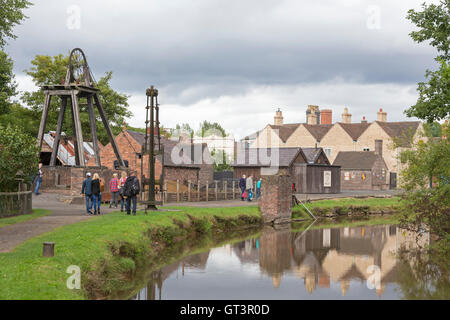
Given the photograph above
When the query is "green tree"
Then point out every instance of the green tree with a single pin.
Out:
(434, 96)
(18, 154)
(52, 70)
(221, 160)
(11, 14)
(209, 128)
(183, 128)
(8, 85)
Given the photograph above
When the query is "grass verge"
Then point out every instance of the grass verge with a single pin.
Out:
(37, 213)
(108, 249)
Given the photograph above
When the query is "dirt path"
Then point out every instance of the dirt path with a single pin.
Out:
(62, 214)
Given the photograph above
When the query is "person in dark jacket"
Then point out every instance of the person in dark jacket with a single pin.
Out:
(131, 190)
(38, 180)
(86, 189)
(242, 186)
(96, 195)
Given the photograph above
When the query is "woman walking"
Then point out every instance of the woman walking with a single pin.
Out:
(96, 195)
(122, 180)
(114, 188)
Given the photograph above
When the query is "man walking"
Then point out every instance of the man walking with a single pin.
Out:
(38, 179)
(249, 187)
(86, 189)
(131, 190)
(242, 186)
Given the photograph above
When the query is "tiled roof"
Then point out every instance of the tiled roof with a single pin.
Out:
(260, 157)
(354, 130)
(401, 130)
(318, 130)
(169, 145)
(285, 131)
(312, 154)
(360, 160)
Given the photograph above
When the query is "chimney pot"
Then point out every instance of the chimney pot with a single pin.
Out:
(381, 115)
(346, 117)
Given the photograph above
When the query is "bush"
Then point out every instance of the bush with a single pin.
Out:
(18, 155)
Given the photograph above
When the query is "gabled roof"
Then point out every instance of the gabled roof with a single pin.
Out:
(313, 154)
(359, 160)
(354, 130)
(169, 145)
(260, 157)
(400, 130)
(285, 131)
(318, 130)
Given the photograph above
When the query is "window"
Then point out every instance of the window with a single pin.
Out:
(327, 151)
(366, 149)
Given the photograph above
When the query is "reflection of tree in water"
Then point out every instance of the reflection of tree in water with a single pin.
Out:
(423, 274)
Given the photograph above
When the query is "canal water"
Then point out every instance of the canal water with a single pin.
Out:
(283, 263)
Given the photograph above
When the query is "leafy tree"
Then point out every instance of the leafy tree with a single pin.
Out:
(426, 181)
(434, 96)
(8, 85)
(10, 15)
(51, 70)
(221, 160)
(19, 154)
(209, 128)
(183, 128)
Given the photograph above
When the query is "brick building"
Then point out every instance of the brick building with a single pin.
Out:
(182, 161)
(341, 136)
(363, 170)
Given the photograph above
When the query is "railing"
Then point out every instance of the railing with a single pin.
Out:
(195, 191)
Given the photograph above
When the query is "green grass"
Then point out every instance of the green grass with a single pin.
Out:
(107, 249)
(344, 205)
(37, 213)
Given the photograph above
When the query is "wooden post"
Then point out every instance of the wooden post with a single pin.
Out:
(93, 131)
(62, 112)
(189, 190)
(225, 185)
(207, 190)
(166, 192)
(44, 117)
(216, 189)
(198, 191)
(48, 249)
(78, 132)
(178, 190)
(234, 193)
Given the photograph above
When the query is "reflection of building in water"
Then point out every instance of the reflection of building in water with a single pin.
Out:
(275, 252)
(345, 254)
(247, 251)
(154, 286)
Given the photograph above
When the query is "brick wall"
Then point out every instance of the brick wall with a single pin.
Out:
(182, 174)
(275, 203)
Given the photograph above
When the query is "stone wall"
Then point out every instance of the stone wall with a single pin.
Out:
(182, 174)
(275, 203)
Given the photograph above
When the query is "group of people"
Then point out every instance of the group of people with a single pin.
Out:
(246, 186)
(127, 187)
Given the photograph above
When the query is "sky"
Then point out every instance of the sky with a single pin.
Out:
(237, 61)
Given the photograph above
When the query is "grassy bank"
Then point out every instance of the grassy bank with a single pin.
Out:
(108, 249)
(347, 206)
(37, 213)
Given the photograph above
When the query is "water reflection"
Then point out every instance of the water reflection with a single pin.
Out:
(285, 264)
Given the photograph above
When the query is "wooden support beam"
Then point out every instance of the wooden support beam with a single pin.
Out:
(78, 132)
(101, 111)
(62, 112)
(75, 143)
(43, 120)
(93, 131)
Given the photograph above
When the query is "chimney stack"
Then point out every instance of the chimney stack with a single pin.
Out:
(278, 119)
(382, 116)
(364, 120)
(312, 118)
(346, 117)
(379, 147)
(326, 116)
(313, 109)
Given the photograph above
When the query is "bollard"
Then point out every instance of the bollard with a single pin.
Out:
(48, 249)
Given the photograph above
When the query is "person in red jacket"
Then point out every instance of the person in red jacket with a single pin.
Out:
(114, 188)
